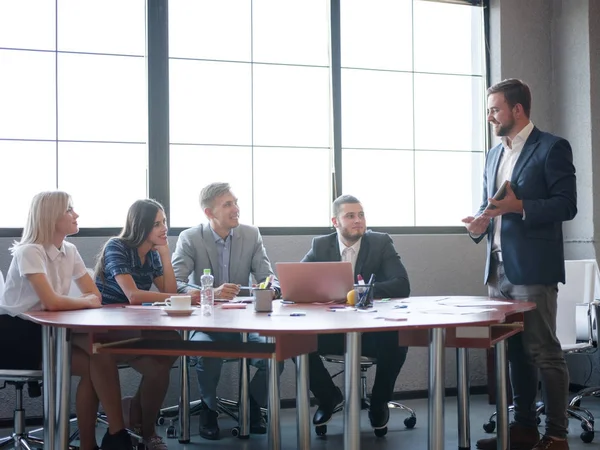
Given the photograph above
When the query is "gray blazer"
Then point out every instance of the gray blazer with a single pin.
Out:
(196, 251)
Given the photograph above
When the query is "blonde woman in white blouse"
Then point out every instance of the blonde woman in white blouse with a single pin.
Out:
(39, 278)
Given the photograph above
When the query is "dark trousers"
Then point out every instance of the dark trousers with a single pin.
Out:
(535, 349)
(381, 345)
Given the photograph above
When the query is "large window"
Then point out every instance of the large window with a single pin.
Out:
(250, 104)
(72, 106)
(412, 110)
(257, 96)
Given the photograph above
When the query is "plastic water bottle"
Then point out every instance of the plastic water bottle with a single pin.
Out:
(207, 294)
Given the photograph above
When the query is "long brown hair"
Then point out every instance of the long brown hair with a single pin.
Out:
(140, 221)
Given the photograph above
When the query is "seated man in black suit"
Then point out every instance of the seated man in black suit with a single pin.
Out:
(370, 253)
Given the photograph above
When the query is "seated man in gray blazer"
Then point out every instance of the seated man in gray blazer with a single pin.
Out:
(370, 253)
(233, 252)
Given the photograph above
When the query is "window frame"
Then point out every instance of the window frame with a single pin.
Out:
(157, 72)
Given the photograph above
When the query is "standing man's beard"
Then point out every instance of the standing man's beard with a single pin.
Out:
(504, 130)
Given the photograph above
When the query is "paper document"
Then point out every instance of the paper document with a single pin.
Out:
(463, 302)
(455, 310)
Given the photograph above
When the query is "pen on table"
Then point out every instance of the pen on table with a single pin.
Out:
(296, 314)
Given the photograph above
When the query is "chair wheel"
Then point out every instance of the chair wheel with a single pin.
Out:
(160, 421)
(587, 436)
(490, 426)
(235, 432)
(171, 432)
(380, 432)
(410, 422)
(321, 430)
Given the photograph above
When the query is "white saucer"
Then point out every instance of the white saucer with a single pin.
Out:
(179, 312)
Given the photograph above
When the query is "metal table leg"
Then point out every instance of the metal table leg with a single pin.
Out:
(63, 387)
(274, 437)
(49, 380)
(436, 389)
(184, 396)
(244, 403)
(503, 442)
(462, 377)
(352, 386)
(302, 403)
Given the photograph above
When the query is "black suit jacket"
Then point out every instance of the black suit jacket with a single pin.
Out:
(544, 178)
(377, 256)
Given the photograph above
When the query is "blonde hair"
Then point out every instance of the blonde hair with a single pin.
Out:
(45, 210)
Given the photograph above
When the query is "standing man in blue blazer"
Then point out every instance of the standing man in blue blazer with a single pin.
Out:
(525, 257)
(234, 252)
(370, 253)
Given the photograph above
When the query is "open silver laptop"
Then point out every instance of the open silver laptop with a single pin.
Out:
(315, 282)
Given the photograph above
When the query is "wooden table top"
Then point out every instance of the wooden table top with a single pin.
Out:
(317, 319)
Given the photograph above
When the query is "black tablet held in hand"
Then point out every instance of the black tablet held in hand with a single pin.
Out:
(499, 195)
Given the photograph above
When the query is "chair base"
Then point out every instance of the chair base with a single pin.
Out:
(22, 441)
(366, 363)
(409, 422)
(224, 406)
(574, 410)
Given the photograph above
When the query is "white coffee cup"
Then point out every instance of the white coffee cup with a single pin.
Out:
(179, 302)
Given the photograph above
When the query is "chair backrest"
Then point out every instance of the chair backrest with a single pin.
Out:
(1, 283)
(582, 282)
(20, 375)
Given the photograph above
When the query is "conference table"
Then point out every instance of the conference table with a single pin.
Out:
(291, 331)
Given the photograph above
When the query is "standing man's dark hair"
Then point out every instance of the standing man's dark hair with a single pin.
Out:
(515, 92)
(525, 256)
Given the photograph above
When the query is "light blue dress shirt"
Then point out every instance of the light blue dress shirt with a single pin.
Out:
(224, 253)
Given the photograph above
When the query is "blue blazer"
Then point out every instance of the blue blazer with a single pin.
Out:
(377, 255)
(544, 178)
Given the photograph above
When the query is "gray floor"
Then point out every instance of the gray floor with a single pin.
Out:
(398, 436)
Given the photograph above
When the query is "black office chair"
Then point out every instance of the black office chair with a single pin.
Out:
(366, 363)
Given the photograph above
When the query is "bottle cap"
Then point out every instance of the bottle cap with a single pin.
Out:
(206, 271)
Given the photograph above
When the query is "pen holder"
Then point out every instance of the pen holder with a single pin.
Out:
(263, 299)
(364, 295)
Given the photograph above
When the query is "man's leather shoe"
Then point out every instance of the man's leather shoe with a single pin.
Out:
(548, 443)
(379, 415)
(209, 426)
(327, 407)
(258, 425)
(521, 438)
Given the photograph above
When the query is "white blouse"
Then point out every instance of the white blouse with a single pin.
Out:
(61, 266)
